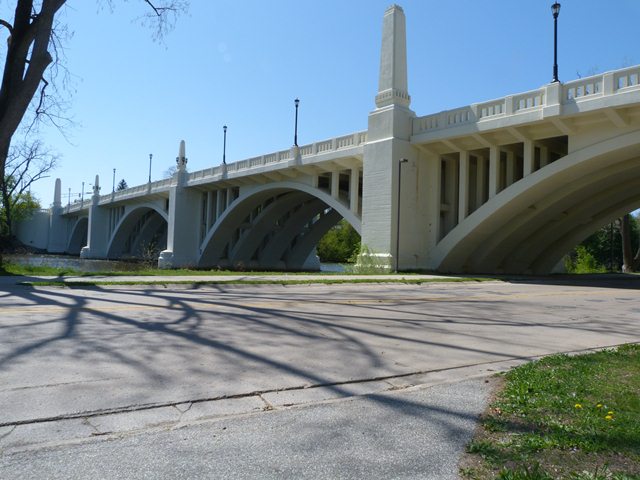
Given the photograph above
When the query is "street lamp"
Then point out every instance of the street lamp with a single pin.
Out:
(82, 196)
(224, 145)
(295, 135)
(150, 158)
(555, 9)
(402, 160)
(113, 188)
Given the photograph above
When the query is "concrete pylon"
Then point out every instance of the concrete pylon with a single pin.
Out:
(57, 223)
(98, 227)
(57, 194)
(184, 213)
(392, 82)
(389, 132)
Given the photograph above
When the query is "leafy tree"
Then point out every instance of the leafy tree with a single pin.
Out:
(122, 185)
(339, 244)
(20, 206)
(606, 246)
(630, 231)
(584, 262)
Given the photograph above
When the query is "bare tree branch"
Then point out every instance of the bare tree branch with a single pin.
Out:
(6, 24)
(27, 163)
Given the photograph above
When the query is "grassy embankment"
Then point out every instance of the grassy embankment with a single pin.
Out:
(284, 278)
(563, 417)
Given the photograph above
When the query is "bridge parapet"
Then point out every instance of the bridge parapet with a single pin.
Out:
(283, 156)
(574, 93)
(152, 188)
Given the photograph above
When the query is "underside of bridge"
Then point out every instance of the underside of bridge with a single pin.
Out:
(529, 226)
(141, 234)
(78, 238)
(273, 229)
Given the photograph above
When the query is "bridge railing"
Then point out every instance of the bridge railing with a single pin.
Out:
(145, 188)
(322, 147)
(608, 83)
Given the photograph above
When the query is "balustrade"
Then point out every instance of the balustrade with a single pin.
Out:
(528, 100)
(324, 146)
(629, 77)
(581, 88)
(456, 117)
(491, 109)
(604, 84)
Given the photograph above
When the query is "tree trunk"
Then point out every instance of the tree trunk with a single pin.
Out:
(627, 253)
(6, 202)
(27, 59)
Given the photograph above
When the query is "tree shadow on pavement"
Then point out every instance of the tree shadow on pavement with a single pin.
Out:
(180, 345)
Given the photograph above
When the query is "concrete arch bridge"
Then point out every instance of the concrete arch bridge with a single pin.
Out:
(508, 185)
(265, 212)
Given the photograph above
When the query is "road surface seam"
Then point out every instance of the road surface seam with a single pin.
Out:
(259, 393)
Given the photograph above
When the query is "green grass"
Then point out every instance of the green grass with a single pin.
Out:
(564, 417)
(156, 277)
(301, 281)
(41, 270)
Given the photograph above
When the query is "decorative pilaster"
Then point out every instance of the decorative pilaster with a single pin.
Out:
(184, 219)
(388, 136)
(98, 228)
(57, 224)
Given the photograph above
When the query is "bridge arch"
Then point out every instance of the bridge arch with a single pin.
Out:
(274, 226)
(140, 227)
(78, 237)
(529, 226)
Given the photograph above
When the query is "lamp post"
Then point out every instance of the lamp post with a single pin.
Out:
(224, 145)
(82, 196)
(150, 158)
(69, 198)
(402, 160)
(113, 188)
(555, 9)
(295, 135)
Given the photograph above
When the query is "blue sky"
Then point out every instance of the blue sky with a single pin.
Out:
(242, 63)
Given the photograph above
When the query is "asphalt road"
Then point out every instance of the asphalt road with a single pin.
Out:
(141, 366)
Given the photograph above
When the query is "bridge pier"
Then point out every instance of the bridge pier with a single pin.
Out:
(392, 241)
(183, 242)
(57, 242)
(98, 228)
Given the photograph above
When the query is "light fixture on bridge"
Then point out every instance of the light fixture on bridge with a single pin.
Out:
(150, 158)
(113, 187)
(295, 135)
(555, 9)
(224, 145)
